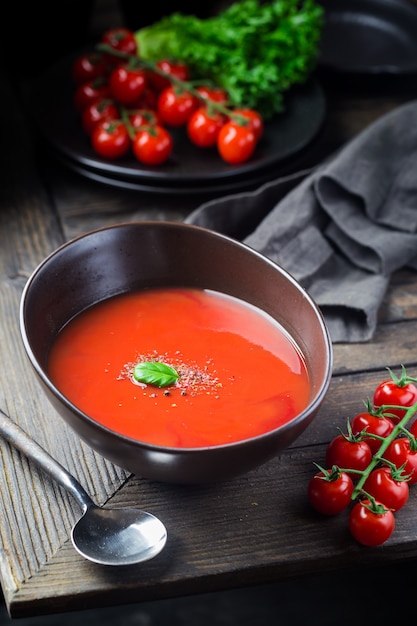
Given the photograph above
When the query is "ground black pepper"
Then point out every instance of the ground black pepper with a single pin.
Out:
(192, 379)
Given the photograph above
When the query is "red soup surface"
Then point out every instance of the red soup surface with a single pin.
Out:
(240, 374)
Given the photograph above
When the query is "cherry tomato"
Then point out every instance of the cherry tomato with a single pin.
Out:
(143, 117)
(371, 526)
(236, 143)
(396, 391)
(349, 453)
(98, 111)
(330, 492)
(153, 145)
(121, 39)
(256, 122)
(372, 424)
(110, 139)
(175, 106)
(127, 84)
(215, 94)
(383, 485)
(401, 453)
(172, 68)
(92, 90)
(147, 100)
(89, 66)
(413, 428)
(203, 127)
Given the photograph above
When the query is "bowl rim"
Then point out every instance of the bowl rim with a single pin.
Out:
(311, 408)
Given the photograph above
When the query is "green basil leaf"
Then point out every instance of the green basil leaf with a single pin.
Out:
(155, 373)
(254, 50)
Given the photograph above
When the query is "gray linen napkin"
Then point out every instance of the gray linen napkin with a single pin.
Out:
(344, 228)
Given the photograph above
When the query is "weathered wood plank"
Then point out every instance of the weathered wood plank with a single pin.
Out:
(393, 345)
(39, 515)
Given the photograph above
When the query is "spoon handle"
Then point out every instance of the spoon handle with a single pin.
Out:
(18, 438)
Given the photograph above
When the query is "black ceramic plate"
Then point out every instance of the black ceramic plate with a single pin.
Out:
(369, 36)
(225, 187)
(285, 136)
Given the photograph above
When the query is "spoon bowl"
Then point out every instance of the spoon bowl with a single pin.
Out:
(102, 535)
(118, 536)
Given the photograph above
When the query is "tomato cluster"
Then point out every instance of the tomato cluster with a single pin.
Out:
(126, 103)
(373, 463)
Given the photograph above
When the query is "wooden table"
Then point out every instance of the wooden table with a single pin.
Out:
(254, 529)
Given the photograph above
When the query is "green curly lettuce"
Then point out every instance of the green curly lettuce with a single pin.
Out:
(255, 51)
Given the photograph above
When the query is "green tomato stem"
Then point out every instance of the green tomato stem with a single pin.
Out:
(404, 379)
(125, 119)
(177, 82)
(378, 457)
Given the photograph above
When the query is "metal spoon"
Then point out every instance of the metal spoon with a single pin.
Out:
(105, 536)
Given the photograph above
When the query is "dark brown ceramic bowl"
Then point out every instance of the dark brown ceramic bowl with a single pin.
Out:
(134, 256)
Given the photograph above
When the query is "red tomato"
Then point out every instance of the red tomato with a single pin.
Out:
(172, 68)
(401, 452)
(92, 90)
(330, 492)
(121, 39)
(413, 428)
(143, 117)
(372, 424)
(203, 127)
(215, 94)
(383, 485)
(371, 526)
(396, 391)
(256, 122)
(175, 106)
(89, 66)
(153, 145)
(148, 100)
(127, 84)
(98, 111)
(110, 139)
(348, 453)
(236, 143)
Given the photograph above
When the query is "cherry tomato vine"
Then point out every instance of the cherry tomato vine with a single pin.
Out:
(373, 463)
(113, 76)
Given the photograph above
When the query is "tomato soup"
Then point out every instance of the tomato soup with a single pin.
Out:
(239, 372)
